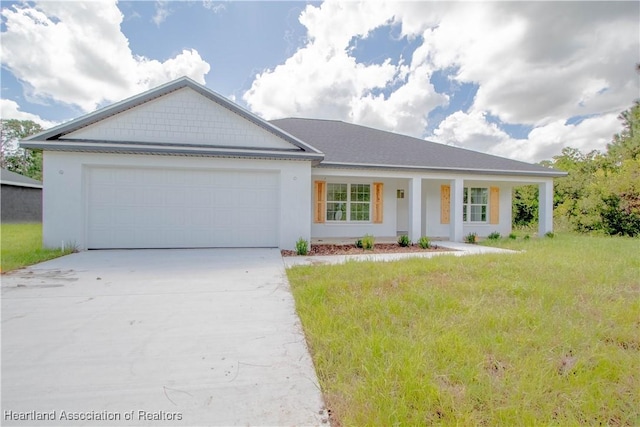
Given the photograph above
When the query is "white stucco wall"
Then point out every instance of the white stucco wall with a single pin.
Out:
(358, 229)
(181, 117)
(65, 199)
(432, 208)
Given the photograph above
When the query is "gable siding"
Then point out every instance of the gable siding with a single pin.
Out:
(182, 117)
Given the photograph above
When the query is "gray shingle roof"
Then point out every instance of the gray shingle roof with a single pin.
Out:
(12, 178)
(349, 145)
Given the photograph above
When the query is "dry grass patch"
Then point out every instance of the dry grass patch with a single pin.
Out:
(548, 336)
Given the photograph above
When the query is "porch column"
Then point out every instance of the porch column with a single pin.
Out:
(415, 209)
(456, 223)
(545, 207)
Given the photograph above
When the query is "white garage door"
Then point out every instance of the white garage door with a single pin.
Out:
(166, 208)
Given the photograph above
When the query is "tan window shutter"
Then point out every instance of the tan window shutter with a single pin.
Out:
(320, 201)
(377, 202)
(445, 204)
(494, 205)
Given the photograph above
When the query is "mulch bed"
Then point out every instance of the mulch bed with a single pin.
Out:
(379, 248)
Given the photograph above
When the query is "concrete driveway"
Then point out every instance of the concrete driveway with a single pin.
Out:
(155, 337)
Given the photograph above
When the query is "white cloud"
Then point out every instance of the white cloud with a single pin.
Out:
(405, 110)
(213, 6)
(535, 63)
(323, 80)
(75, 53)
(473, 131)
(11, 110)
(470, 130)
(591, 134)
(162, 12)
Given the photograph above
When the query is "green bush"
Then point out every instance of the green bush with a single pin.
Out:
(513, 236)
(404, 241)
(368, 242)
(302, 247)
(526, 237)
(494, 236)
(424, 243)
(359, 243)
(471, 238)
(621, 216)
(550, 234)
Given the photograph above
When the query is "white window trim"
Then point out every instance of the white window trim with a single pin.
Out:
(348, 202)
(467, 206)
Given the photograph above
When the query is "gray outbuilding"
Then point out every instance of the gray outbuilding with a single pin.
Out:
(20, 198)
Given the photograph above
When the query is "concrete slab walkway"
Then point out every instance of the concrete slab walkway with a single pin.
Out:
(156, 337)
(457, 249)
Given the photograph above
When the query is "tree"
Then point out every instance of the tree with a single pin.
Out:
(621, 199)
(626, 144)
(601, 191)
(525, 205)
(14, 158)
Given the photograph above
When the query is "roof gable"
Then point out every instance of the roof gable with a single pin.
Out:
(181, 116)
(349, 145)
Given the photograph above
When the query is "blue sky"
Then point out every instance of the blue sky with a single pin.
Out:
(521, 80)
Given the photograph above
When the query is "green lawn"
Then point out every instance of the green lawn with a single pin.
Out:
(22, 246)
(549, 336)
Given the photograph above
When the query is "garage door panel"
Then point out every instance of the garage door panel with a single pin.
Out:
(154, 208)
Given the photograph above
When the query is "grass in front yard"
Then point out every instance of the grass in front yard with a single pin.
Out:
(547, 336)
(22, 246)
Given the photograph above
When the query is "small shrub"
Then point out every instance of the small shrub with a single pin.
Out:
(368, 242)
(302, 247)
(404, 241)
(359, 243)
(424, 243)
(70, 246)
(494, 236)
(550, 234)
(513, 236)
(471, 238)
(526, 237)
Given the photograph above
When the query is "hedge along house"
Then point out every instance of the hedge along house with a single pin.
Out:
(180, 166)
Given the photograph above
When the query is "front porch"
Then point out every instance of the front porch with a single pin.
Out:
(435, 205)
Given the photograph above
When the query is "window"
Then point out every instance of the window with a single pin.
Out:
(348, 202)
(337, 202)
(475, 204)
(360, 202)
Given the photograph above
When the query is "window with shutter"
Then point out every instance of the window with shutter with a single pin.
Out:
(494, 205)
(377, 202)
(320, 197)
(445, 204)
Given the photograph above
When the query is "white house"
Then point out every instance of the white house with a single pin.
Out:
(180, 166)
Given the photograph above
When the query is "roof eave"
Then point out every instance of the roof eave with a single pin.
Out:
(106, 147)
(20, 184)
(552, 173)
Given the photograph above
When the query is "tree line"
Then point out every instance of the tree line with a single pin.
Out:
(600, 194)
